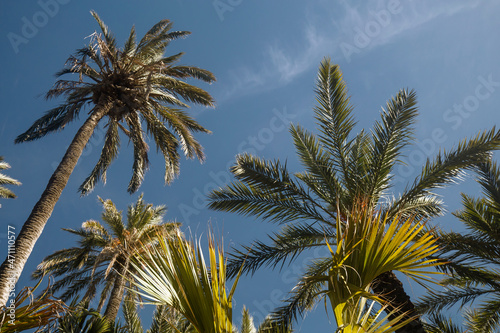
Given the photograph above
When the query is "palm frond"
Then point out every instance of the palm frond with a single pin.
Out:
(448, 167)
(108, 154)
(132, 319)
(440, 324)
(6, 180)
(285, 246)
(390, 135)
(270, 193)
(334, 115)
(174, 273)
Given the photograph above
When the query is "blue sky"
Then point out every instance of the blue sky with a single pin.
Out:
(265, 56)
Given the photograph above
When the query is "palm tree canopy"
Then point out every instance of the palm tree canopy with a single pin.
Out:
(473, 258)
(103, 249)
(6, 180)
(134, 86)
(341, 170)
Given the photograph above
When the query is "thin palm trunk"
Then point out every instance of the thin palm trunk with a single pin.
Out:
(115, 299)
(11, 269)
(388, 287)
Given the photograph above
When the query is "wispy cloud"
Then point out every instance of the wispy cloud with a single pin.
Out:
(330, 29)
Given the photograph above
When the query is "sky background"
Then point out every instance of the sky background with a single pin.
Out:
(265, 55)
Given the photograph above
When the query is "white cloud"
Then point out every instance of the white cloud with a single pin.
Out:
(326, 32)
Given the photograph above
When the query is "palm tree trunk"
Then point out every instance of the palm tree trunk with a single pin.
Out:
(33, 227)
(115, 299)
(388, 287)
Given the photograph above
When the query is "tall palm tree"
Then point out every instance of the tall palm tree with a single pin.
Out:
(6, 180)
(341, 170)
(473, 258)
(104, 252)
(123, 89)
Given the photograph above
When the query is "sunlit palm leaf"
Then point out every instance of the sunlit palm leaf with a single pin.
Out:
(174, 273)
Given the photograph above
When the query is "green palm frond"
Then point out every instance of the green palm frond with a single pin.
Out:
(108, 154)
(390, 136)
(247, 325)
(321, 175)
(81, 319)
(271, 193)
(334, 115)
(486, 317)
(437, 301)
(489, 179)
(440, 324)
(448, 167)
(285, 246)
(130, 315)
(473, 258)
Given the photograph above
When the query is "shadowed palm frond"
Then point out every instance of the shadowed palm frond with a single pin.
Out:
(285, 246)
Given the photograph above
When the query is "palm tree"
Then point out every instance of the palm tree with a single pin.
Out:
(123, 89)
(6, 180)
(473, 258)
(341, 170)
(104, 253)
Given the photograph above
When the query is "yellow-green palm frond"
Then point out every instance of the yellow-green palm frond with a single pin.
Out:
(40, 311)
(367, 246)
(174, 273)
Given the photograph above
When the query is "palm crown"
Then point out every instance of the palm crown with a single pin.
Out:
(103, 257)
(341, 172)
(130, 87)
